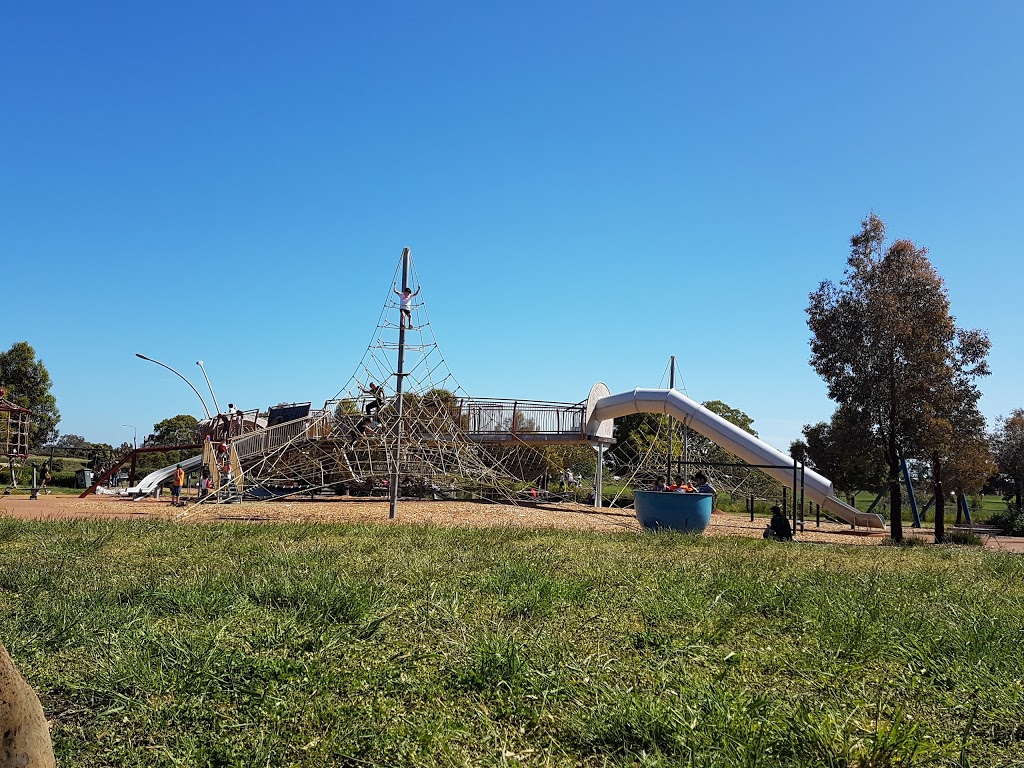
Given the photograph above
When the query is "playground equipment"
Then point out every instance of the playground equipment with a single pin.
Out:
(15, 423)
(729, 436)
(430, 439)
(688, 512)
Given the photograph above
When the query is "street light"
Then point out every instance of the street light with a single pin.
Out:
(150, 359)
(135, 435)
(200, 364)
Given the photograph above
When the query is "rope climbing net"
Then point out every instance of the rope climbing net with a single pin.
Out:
(357, 443)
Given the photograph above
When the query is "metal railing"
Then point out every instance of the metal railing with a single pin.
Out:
(314, 426)
(522, 417)
(477, 419)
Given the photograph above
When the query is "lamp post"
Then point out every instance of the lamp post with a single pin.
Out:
(150, 359)
(135, 435)
(215, 403)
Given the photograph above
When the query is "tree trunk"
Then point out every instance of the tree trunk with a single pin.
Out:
(895, 504)
(940, 501)
(1017, 491)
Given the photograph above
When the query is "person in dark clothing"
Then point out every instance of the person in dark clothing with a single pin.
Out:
(779, 528)
(378, 398)
(364, 428)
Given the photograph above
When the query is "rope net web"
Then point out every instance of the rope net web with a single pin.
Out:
(353, 444)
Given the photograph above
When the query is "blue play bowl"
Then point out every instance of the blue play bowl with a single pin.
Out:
(689, 512)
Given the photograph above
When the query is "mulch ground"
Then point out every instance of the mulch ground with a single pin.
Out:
(352, 510)
(443, 513)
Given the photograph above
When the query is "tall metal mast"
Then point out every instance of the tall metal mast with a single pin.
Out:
(396, 474)
(671, 385)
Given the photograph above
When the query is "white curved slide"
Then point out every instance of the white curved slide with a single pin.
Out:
(731, 438)
(150, 482)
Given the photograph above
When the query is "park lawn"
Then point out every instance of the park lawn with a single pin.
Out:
(155, 644)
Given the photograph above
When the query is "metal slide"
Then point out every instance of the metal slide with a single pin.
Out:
(731, 438)
(150, 482)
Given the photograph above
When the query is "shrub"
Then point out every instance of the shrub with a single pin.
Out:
(1010, 522)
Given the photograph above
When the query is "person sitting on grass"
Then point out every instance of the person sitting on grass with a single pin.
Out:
(779, 528)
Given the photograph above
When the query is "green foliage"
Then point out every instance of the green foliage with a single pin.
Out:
(845, 452)
(28, 383)
(1009, 521)
(703, 449)
(346, 407)
(1008, 446)
(177, 430)
(581, 459)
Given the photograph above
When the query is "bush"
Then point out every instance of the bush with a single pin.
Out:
(1010, 522)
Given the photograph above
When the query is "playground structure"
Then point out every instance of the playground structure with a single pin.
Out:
(15, 423)
(431, 439)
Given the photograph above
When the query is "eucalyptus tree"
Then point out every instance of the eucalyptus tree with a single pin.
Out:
(886, 345)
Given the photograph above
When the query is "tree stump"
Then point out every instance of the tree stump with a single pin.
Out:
(26, 735)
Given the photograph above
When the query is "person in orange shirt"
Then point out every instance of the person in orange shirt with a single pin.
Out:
(176, 483)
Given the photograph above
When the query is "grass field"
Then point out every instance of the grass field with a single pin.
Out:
(155, 644)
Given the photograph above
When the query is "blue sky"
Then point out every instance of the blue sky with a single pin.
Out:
(587, 188)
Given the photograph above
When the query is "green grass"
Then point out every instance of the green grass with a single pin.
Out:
(229, 645)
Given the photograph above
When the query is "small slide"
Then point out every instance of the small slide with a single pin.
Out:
(152, 481)
(731, 438)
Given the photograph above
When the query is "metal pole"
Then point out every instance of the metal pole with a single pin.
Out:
(671, 385)
(794, 496)
(150, 359)
(215, 403)
(802, 515)
(400, 375)
(599, 477)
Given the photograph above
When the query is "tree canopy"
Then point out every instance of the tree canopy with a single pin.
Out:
(177, 430)
(845, 453)
(891, 354)
(28, 384)
(1008, 445)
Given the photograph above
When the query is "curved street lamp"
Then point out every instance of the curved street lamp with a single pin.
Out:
(150, 359)
(135, 435)
(215, 403)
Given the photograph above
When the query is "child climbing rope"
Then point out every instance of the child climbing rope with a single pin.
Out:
(376, 391)
(405, 297)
